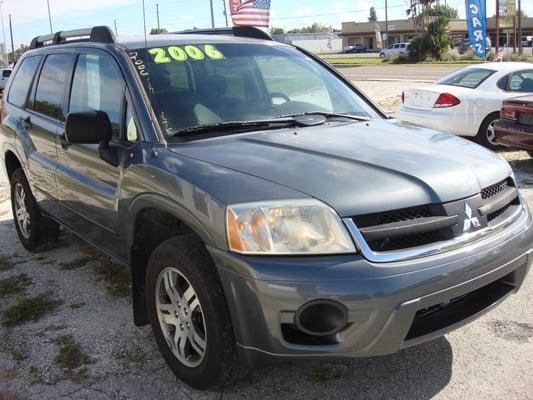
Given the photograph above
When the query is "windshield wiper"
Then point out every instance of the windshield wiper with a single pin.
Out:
(238, 125)
(328, 114)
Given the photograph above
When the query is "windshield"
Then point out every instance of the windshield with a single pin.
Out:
(467, 78)
(192, 85)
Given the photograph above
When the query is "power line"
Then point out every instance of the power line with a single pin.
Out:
(336, 13)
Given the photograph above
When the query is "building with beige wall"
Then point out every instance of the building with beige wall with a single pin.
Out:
(404, 30)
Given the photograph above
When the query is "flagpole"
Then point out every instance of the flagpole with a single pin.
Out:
(212, 14)
(49, 16)
(225, 13)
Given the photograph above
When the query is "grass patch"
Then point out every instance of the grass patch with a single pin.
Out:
(29, 309)
(75, 264)
(7, 374)
(6, 263)
(76, 306)
(116, 276)
(354, 61)
(70, 355)
(324, 375)
(35, 377)
(14, 284)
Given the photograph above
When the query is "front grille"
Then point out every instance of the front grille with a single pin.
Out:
(497, 188)
(432, 223)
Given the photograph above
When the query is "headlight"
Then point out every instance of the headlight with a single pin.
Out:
(304, 226)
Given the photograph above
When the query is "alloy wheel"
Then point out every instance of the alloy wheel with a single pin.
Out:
(491, 134)
(181, 317)
(22, 215)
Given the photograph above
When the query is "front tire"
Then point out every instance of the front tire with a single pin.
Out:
(486, 135)
(36, 232)
(189, 314)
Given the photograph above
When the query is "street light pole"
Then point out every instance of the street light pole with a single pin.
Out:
(212, 14)
(157, 12)
(225, 13)
(520, 50)
(49, 16)
(386, 26)
(12, 43)
(4, 47)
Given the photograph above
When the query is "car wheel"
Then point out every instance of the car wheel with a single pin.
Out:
(35, 231)
(486, 135)
(381, 55)
(189, 314)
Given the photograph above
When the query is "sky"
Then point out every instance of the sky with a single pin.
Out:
(30, 17)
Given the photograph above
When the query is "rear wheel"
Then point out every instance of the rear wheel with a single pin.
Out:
(189, 314)
(35, 231)
(530, 152)
(486, 135)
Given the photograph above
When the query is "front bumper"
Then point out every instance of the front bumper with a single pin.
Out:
(514, 135)
(386, 302)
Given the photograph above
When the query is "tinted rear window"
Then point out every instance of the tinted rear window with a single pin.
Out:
(50, 89)
(468, 78)
(22, 81)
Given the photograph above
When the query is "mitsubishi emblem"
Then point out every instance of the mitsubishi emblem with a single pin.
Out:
(470, 222)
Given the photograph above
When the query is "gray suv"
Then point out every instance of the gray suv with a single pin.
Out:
(267, 208)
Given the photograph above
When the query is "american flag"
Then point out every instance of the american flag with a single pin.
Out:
(250, 12)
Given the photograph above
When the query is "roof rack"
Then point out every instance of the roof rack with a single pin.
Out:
(240, 31)
(101, 34)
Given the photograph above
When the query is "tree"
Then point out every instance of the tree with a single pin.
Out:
(18, 52)
(277, 31)
(157, 31)
(315, 28)
(373, 17)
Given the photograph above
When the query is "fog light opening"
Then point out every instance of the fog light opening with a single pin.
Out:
(321, 318)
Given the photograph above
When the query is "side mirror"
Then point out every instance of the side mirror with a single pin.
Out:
(90, 127)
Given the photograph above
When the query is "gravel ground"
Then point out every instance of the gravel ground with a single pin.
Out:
(108, 357)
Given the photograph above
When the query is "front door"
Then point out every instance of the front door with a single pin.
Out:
(87, 185)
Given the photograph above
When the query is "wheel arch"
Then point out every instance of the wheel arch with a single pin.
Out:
(12, 163)
(155, 219)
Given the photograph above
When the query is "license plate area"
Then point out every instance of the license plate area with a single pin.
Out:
(525, 118)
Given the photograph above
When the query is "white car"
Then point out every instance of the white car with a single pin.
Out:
(395, 50)
(468, 101)
(4, 76)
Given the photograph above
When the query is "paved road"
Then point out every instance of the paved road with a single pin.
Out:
(398, 72)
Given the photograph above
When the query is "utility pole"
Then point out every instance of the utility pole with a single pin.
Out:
(157, 12)
(520, 50)
(4, 46)
(212, 14)
(225, 13)
(12, 44)
(49, 16)
(386, 25)
(116, 30)
(497, 26)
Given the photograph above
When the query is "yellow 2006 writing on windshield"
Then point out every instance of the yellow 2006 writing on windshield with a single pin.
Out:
(177, 54)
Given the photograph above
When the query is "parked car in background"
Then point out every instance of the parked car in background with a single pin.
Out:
(515, 127)
(467, 44)
(4, 76)
(395, 50)
(355, 48)
(467, 102)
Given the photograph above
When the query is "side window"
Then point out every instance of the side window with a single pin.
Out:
(6, 73)
(502, 83)
(132, 133)
(98, 86)
(22, 81)
(50, 88)
(521, 82)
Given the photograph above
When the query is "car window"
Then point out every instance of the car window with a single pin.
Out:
(467, 78)
(521, 82)
(6, 73)
(97, 85)
(390, 47)
(298, 83)
(132, 133)
(402, 46)
(396, 46)
(22, 81)
(50, 87)
(191, 85)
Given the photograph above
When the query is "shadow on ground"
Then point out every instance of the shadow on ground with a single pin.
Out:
(416, 373)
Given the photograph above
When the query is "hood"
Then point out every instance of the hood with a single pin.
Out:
(358, 167)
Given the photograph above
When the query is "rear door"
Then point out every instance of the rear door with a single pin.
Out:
(87, 185)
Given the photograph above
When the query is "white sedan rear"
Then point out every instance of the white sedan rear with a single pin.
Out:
(468, 101)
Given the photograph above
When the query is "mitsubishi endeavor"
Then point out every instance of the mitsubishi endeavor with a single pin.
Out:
(268, 210)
